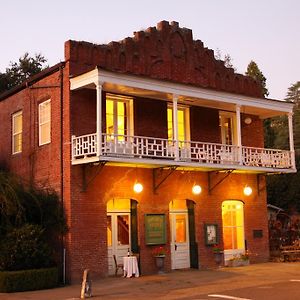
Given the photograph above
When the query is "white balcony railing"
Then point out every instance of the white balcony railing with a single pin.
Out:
(128, 147)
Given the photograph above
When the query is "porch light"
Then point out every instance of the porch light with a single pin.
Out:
(196, 189)
(248, 121)
(247, 190)
(138, 187)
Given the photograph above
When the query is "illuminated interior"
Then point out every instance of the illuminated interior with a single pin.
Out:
(109, 231)
(180, 228)
(181, 124)
(116, 117)
(233, 225)
(227, 125)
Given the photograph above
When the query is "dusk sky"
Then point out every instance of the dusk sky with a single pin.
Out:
(260, 30)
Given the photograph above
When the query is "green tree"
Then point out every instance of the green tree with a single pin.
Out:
(17, 72)
(284, 190)
(254, 72)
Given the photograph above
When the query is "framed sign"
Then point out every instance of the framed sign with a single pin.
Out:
(211, 234)
(155, 229)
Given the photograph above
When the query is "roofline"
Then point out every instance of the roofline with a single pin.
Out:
(31, 80)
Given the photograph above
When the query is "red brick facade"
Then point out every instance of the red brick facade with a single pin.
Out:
(167, 53)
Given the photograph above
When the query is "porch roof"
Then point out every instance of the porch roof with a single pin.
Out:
(116, 82)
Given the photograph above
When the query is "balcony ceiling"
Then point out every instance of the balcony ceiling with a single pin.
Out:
(188, 95)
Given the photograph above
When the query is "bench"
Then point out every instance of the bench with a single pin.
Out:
(291, 252)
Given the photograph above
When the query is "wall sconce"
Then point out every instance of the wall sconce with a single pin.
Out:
(196, 189)
(247, 190)
(248, 121)
(138, 187)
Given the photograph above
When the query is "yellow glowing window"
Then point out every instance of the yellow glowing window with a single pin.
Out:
(227, 124)
(181, 121)
(233, 225)
(117, 122)
(17, 128)
(180, 228)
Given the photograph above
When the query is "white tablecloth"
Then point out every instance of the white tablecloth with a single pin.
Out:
(130, 266)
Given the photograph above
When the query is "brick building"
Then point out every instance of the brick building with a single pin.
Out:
(159, 113)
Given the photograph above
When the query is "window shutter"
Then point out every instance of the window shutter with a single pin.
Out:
(192, 235)
(134, 226)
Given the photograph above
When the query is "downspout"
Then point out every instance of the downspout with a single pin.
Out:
(62, 172)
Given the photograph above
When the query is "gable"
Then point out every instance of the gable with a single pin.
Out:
(165, 52)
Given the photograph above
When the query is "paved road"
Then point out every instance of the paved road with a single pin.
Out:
(274, 281)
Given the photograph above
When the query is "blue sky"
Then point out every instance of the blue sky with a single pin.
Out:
(264, 31)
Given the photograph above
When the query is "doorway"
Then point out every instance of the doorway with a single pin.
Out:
(180, 249)
(118, 231)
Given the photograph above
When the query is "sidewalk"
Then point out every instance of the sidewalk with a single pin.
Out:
(185, 284)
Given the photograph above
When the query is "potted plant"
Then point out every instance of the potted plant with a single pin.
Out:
(239, 260)
(159, 254)
(218, 254)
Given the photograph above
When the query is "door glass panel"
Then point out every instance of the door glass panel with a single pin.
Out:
(180, 229)
(109, 231)
(123, 229)
(233, 225)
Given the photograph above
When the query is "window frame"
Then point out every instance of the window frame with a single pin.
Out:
(41, 124)
(232, 116)
(128, 101)
(186, 122)
(14, 115)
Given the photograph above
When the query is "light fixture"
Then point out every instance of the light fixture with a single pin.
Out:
(247, 190)
(196, 189)
(138, 187)
(248, 120)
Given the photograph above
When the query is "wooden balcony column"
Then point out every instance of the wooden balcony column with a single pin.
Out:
(239, 132)
(99, 117)
(291, 139)
(175, 126)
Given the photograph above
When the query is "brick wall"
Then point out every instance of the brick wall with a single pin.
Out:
(37, 164)
(89, 208)
(164, 52)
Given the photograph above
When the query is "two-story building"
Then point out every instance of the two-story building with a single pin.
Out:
(148, 141)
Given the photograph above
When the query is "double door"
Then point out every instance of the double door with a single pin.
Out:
(118, 238)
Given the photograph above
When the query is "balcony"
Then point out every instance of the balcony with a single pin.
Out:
(157, 151)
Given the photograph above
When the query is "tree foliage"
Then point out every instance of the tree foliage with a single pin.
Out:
(254, 72)
(284, 190)
(17, 72)
(228, 61)
(30, 221)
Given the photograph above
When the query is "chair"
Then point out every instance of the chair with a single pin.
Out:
(117, 266)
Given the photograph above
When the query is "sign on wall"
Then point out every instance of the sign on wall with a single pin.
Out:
(155, 229)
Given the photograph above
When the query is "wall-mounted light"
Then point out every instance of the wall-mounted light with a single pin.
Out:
(196, 189)
(247, 190)
(248, 120)
(138, 187)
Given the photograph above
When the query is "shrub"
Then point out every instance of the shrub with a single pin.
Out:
(18, 281)
(24, 248)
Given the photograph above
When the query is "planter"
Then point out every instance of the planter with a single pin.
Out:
(238, 262)
(160, 263)
(218, 257)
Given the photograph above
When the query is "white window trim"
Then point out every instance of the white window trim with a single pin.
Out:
(16, 133)
(232, 115)
(187, 127)
(40, 124)
(129, 108)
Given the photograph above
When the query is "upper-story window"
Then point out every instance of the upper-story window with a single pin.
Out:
(45, 122)
(119, 121)
(17, 128)
(183, 124)
(228, 128)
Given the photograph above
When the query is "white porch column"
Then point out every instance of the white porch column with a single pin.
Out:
(239, 133)
(175, 126)
(99, 117)
(291, 139)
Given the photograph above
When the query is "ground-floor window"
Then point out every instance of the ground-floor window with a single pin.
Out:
(233, 225)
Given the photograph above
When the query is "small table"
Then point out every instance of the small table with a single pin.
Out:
(130, 266)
